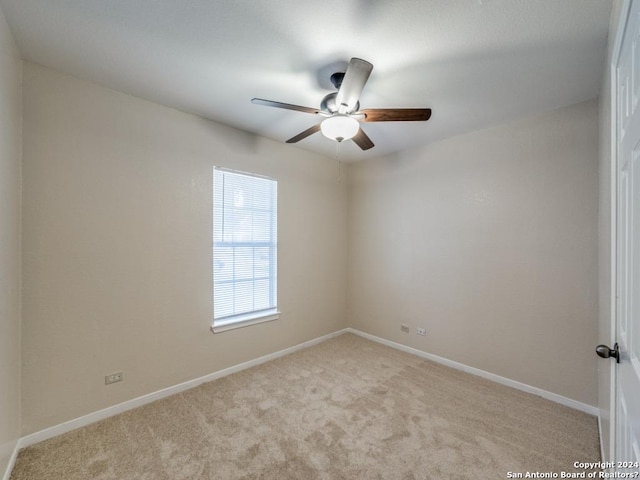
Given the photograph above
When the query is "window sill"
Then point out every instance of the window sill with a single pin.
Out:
(244, 321)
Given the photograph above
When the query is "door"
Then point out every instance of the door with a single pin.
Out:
(627, 418)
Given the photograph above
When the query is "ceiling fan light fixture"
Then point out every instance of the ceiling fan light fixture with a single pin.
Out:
(339, 127)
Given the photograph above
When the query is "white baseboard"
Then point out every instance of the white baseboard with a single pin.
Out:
(165, 392)
(554, 397)
(151, 397)
(602, 458)
(12, 458)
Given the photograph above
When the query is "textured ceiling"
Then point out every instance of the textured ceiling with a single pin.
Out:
(474, 62)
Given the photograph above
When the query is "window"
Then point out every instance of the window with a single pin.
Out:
(244, 249)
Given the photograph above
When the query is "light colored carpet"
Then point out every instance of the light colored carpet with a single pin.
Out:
(347, 408)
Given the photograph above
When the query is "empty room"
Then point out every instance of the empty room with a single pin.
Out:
(352, 239)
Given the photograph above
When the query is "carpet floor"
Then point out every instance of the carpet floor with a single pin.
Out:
(347, 408)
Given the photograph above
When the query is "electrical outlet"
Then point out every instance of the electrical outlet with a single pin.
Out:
(421, 331)
(404, 328)
(113, 378)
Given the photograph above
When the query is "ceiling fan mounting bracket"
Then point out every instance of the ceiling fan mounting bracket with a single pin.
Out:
(336, 79)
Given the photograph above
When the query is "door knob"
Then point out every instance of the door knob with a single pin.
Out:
(605, 352)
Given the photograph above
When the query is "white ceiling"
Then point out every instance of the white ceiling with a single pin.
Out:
(474, 62)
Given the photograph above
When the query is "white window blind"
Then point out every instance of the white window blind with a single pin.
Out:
(244, 248)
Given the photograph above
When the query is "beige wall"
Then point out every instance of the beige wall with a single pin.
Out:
(489, 241)
(117, 247)
(606, 334)
(10, 131)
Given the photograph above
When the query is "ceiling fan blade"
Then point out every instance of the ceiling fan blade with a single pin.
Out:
(362, 140)
(353, 82)
(395, 114)
(287, 106)
(305, 134)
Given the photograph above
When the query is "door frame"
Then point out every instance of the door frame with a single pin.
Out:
(613, 260)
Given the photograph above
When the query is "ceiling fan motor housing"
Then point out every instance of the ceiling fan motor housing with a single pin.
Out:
(329, 105)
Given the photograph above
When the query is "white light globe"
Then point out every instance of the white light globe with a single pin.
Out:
(339, 127)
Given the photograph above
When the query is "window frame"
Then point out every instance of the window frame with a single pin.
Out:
(254, 317)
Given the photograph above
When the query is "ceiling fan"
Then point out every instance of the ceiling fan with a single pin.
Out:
(342, 112)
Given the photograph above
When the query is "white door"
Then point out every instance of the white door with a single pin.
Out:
(627, 438)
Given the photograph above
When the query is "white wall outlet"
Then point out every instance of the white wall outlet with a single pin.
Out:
(421, 331)
(404, 328)
(113, 378)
